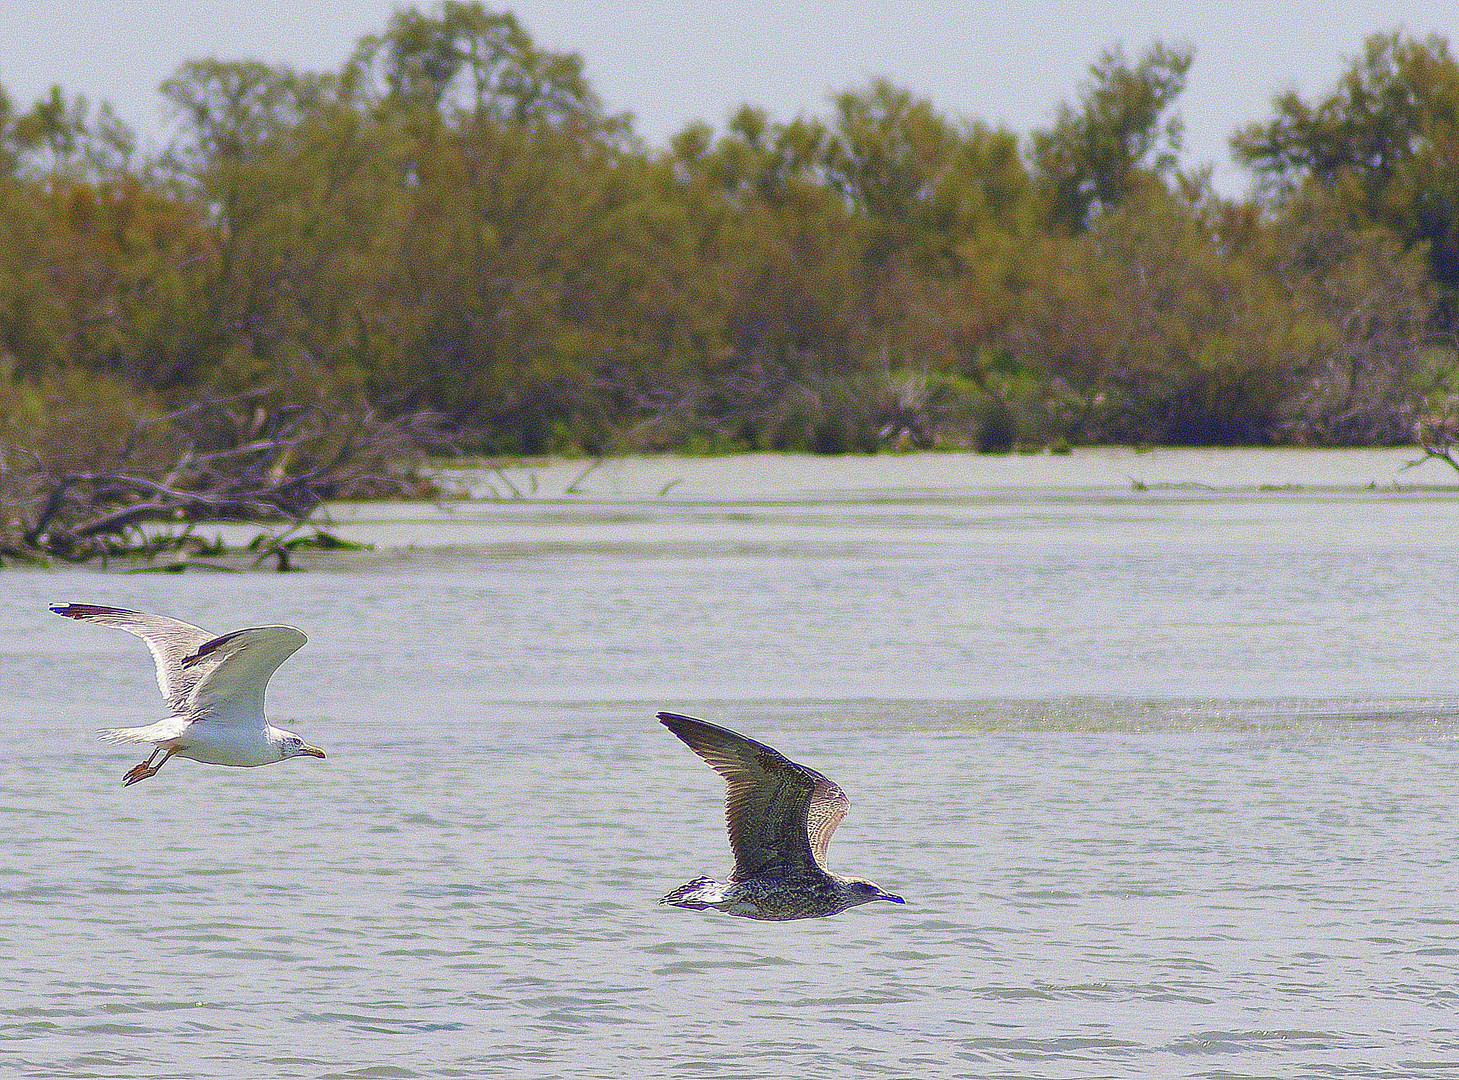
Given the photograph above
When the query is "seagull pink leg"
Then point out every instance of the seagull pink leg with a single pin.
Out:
(146, 769)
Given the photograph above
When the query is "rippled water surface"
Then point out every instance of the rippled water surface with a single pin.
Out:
(1159, 747)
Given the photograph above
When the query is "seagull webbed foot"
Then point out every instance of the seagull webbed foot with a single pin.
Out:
(140, 772)
(146, 769)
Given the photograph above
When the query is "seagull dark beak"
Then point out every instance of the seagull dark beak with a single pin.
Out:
(893, 899)
(312, 751)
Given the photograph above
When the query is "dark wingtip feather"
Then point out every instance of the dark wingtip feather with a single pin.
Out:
(680, 724)
(703, 737)
(85, 611)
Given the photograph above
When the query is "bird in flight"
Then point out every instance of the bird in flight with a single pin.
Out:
(214, 686)
(781, 816)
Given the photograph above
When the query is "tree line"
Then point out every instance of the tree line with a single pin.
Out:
(454, 226)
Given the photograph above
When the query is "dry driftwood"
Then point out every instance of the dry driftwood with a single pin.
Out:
(238, 458)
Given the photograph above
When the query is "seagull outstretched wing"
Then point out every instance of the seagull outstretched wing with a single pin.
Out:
(200, 675)
(780, 814)
(234, 670)
(171, 641)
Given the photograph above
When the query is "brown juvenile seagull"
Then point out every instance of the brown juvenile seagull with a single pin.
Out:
(214, 686)
(781, 816)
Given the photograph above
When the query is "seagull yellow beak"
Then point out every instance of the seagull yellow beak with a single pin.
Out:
(312, 751)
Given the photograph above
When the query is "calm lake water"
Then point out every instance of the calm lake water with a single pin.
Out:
(1159, 747)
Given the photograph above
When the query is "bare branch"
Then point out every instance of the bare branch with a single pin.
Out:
(209, 460)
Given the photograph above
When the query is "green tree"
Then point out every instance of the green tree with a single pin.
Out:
(1383, 144)
(470, 60)
(921, 183)
(93, 254)
(1143, 328)
(63, 139)
(287, 170)
(1119, 137)
(1377, 355)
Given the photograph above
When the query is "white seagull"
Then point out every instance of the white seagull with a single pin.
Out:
(214, 686)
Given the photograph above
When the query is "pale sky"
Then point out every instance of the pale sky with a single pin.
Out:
(1007, 63)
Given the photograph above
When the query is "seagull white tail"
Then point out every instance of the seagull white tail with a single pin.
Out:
(170, 728)
(698, 894)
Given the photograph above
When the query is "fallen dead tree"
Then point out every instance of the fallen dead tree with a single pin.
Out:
(246, 457)
(1437, 433)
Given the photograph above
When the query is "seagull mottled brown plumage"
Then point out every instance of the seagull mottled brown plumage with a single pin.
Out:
(781, 816)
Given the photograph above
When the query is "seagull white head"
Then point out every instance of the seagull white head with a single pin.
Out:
(290, 745)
